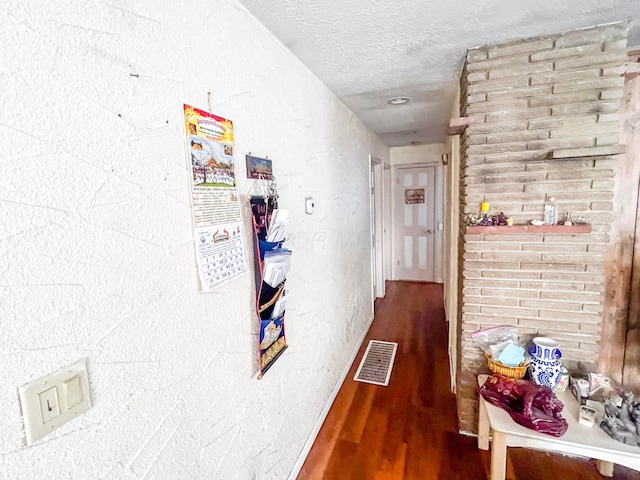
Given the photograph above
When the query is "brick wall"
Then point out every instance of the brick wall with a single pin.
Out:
(546, 114)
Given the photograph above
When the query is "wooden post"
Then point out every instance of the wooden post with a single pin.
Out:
(631, 366)
(619, 259)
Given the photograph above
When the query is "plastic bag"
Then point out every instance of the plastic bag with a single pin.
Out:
(530, 405)
(486, 337)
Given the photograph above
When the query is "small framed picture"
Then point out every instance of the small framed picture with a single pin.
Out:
(259, 168)
(414, 195)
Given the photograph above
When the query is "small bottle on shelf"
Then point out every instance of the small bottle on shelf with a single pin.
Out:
(567, 219)
(551, 212)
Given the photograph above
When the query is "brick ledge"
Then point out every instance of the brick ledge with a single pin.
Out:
(529, 229)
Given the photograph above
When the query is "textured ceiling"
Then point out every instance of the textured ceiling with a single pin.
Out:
(367, 51)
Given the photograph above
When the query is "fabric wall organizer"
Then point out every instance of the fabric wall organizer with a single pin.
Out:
(272, 266)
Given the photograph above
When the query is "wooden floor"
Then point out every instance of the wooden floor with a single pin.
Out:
(409, 429)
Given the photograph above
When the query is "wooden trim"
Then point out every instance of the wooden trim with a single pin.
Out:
(514, 229)
(626, 68)
(632, 70)
(458, 124)
(619, 258)
(631, 362)
(631, 365)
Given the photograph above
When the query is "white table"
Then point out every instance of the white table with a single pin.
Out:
(591, 442)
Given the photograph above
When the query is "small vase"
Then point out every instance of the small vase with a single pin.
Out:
(545, 369)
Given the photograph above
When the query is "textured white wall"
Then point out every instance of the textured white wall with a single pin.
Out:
(96, 251)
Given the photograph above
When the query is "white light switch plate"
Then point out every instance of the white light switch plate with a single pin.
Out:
(53, 400)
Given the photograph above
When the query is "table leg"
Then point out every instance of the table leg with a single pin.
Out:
(605, 468)
(498, 456)
(483, 426)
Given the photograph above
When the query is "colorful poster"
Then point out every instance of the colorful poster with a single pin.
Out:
(216, 211)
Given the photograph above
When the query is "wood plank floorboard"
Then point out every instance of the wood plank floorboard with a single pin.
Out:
(409, 430)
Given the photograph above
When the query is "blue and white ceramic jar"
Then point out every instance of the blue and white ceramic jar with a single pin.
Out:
(545, 368)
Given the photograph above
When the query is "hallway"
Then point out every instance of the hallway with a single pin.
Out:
(408, 430)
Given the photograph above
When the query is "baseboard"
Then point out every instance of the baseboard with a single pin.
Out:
(325, 411)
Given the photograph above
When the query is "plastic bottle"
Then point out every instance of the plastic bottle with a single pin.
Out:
(551, 212)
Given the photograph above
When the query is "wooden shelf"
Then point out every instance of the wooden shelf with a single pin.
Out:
(505, 230)
(458, 124)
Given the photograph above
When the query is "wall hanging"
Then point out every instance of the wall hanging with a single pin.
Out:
(216, 210)
(272, 266)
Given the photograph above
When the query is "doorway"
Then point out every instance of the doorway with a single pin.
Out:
(414, 223)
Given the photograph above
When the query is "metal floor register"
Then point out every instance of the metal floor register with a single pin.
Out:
(377, 363)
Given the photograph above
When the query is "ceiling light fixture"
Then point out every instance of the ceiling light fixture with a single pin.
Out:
(398, 100)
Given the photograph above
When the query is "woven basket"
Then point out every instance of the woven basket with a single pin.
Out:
(509, 372)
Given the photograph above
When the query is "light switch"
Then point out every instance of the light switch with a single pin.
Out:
(51, 401)
(73, 392)
(49, 404)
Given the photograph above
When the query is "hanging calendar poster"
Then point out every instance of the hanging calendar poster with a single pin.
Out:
(216, 210)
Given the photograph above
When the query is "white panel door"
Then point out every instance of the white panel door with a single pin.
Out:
(415, 223)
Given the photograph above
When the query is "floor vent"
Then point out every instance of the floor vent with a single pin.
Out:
(377, 363)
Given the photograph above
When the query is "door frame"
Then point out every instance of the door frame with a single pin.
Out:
(378, 225)
(439, 218)
(387, 225)
(452, 275)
